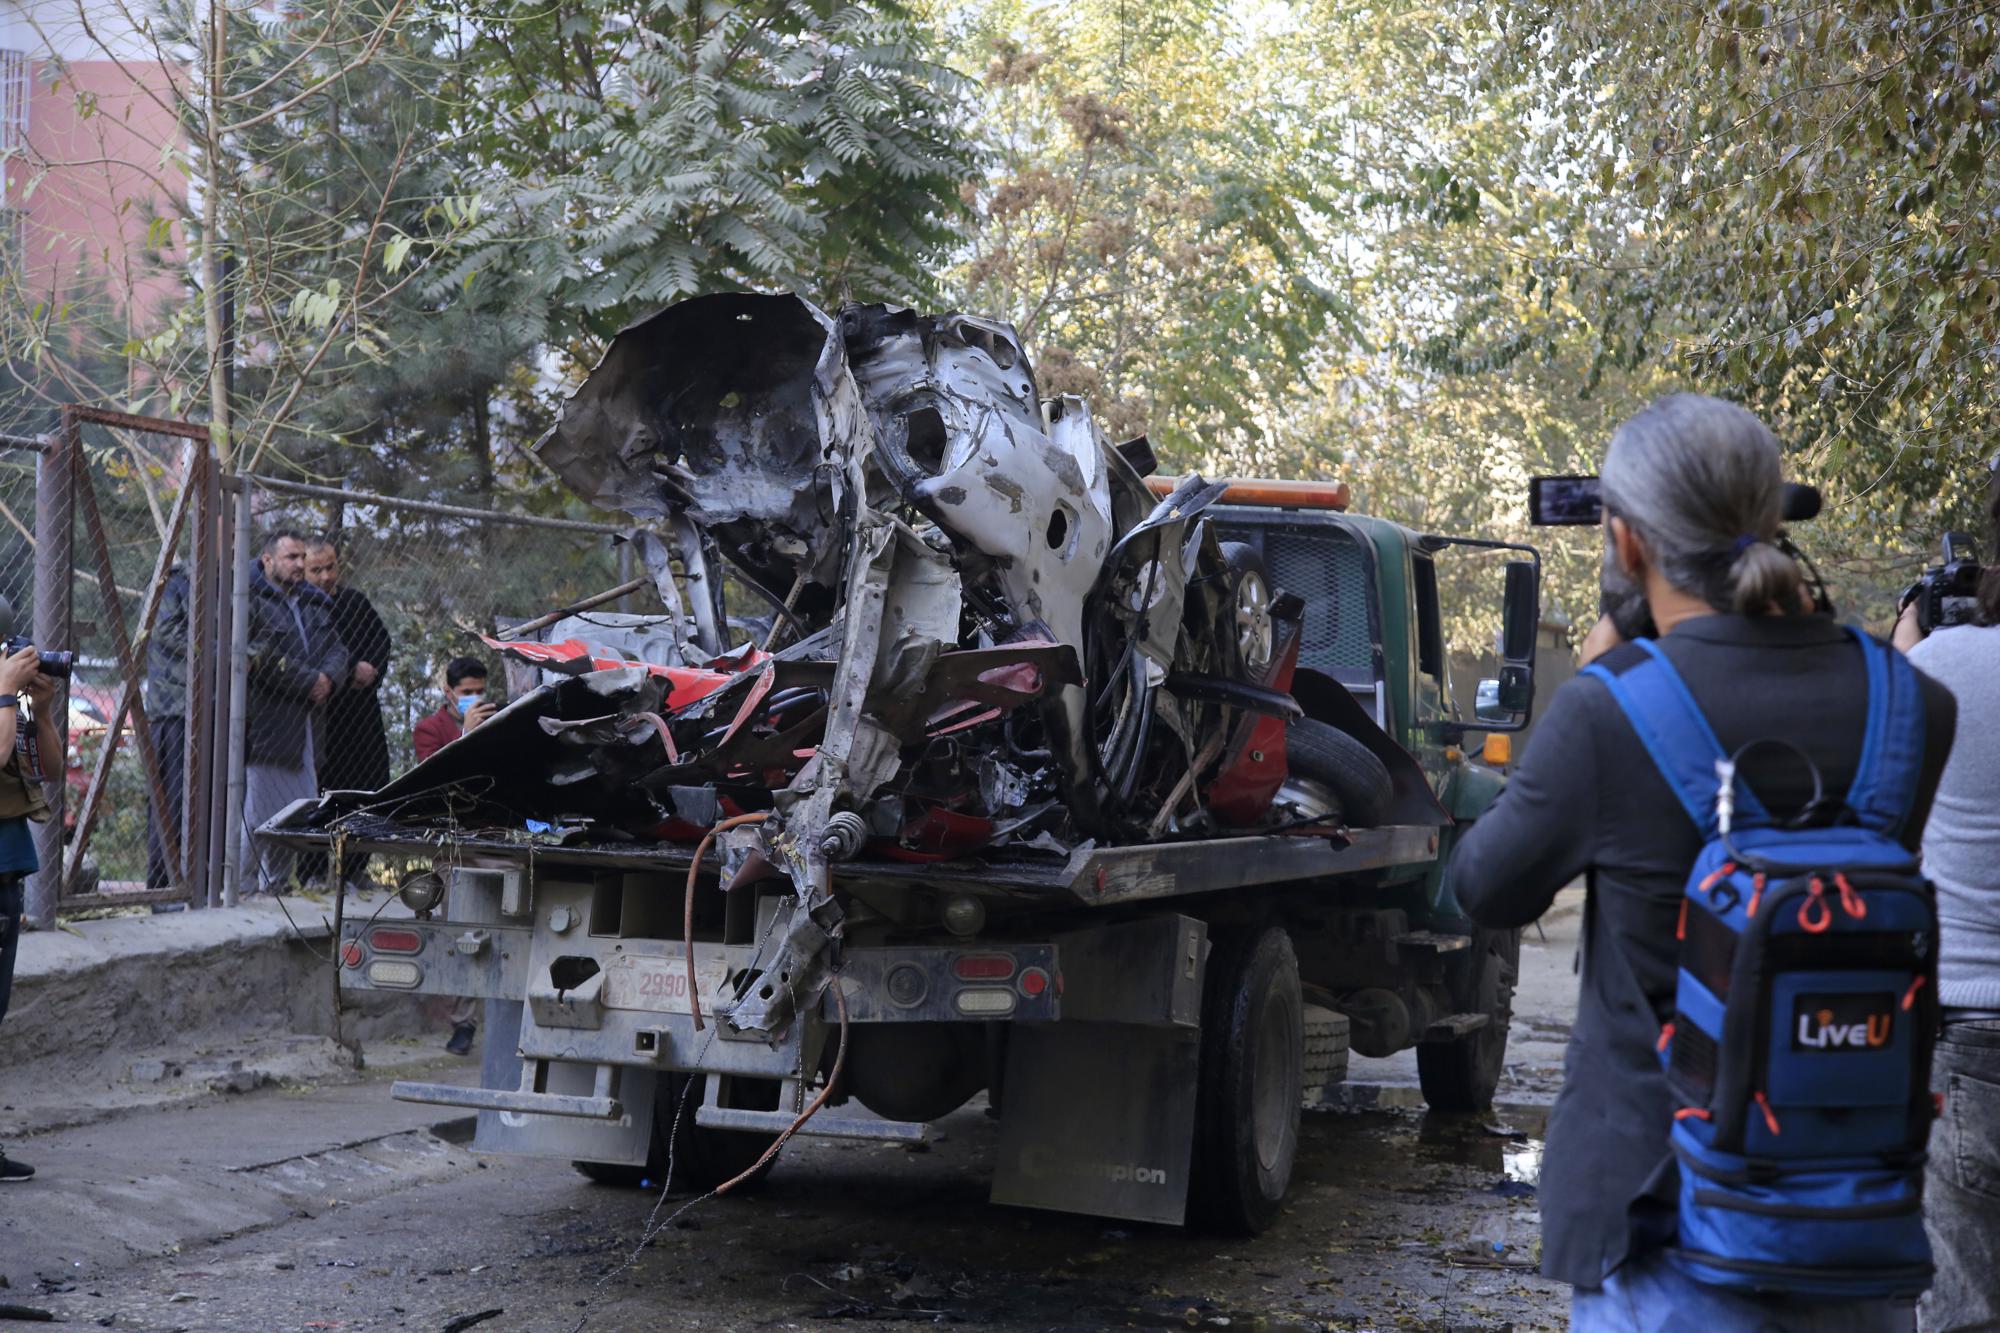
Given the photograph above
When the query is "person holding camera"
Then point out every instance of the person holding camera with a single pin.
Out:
(1962, 857)
(1692, 506)
(21, 800)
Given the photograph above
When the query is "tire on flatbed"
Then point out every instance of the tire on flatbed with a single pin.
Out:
(1251, 1082)
(1328, 755)
(699, 1158)
(1461, 1075)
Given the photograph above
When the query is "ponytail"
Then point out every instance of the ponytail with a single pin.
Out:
(1762, 577)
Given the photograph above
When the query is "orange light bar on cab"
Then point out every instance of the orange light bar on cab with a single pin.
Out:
(1256, 491)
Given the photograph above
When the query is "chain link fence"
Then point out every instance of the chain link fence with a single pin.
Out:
(93, 513)
(121, 543)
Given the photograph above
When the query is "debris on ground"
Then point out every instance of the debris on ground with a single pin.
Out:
(465, 1321)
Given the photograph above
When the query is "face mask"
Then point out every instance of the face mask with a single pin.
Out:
(465, 703)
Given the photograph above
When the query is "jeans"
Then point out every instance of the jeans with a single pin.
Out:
(13, 889)
(1650, 1295)
(1962, 1181)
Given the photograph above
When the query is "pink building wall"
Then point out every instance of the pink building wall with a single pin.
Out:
(98, 163)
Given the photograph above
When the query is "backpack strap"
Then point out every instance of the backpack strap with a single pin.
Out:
(1675, 733)
(1892, 744)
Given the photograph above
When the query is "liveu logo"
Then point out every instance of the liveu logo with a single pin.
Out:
(1843, 1023)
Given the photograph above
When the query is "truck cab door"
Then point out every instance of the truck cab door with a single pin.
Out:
(1430, 692)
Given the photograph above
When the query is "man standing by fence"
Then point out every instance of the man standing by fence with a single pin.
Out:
(295, 663)
(353, 749)
(166, 712)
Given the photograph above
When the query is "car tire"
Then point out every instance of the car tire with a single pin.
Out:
(1250, 1085)
(698, 1158)
(1462, 1074)
(1247, 623)
(1328, 755)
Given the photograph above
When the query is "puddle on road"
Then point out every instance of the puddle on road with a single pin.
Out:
(1522, 1162)
(1510, 1148)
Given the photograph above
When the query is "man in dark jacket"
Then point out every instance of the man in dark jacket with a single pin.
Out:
(353, 749)
(296, 662)
(166, 710)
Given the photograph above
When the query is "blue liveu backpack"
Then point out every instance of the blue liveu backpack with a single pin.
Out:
(1799, 1053)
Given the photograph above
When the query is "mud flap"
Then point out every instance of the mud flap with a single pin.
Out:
(1099, 1119)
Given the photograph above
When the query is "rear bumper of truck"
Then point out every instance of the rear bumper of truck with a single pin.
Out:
(579, 949)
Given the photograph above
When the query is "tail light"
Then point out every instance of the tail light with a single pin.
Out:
(395, 939)
(983, 967)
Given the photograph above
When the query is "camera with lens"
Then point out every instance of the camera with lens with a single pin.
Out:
(1579, 501)
(1948, 593)
(54, 664)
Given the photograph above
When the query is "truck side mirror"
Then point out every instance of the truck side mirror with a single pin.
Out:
(1521, 615)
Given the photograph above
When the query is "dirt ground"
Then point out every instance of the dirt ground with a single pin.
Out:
(204, 1218)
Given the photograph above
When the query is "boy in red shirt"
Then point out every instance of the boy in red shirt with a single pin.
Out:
(465, 707)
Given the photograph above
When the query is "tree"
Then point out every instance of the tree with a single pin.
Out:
(1150, 232)
(1792, 198)
(633, 158)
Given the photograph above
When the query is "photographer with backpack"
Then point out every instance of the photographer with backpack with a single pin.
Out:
(1738, 1142)
(1962, 857)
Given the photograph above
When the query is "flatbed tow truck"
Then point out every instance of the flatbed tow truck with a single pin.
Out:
(1125, 800)
(1140, 1016)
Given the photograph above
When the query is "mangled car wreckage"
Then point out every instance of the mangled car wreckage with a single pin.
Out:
(1025, 769)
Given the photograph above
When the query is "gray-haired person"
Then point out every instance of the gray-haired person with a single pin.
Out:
(1962, 857)
(1691, 501)
(295, 662)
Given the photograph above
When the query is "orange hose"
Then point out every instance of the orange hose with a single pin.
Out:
(687, 910)
(832, 1081)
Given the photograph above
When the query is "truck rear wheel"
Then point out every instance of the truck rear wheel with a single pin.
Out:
(701, 1158)
(1252, 1079)
(1463, 1073)
(1328, 755)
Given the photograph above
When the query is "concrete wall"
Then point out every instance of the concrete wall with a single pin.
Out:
(137, 984)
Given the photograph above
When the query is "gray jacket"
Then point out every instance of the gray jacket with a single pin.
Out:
(286, 655)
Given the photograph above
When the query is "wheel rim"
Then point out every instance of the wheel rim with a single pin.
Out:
(1274, 1100)
(1254, 634)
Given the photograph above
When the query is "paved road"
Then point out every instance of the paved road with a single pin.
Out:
(336, 1208)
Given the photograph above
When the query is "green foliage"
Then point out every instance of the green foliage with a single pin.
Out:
(1793, 200)
(1151, 231)
(628, 159)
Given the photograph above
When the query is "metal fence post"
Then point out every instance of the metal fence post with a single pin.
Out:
(54, 557)
(218, 618)
(236, 844)
(193, 870)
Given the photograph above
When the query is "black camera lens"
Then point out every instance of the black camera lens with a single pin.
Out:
(58, 665)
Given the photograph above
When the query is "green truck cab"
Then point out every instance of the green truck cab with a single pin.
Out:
(1399, 959)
